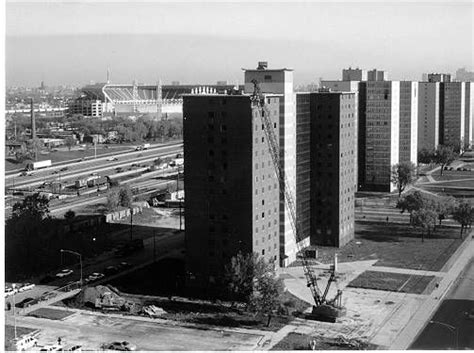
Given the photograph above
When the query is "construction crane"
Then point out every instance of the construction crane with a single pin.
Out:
(324, 309)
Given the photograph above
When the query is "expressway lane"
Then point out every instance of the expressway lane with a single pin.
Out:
(167, 151)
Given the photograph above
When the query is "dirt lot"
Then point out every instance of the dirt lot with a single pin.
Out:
(51, 314)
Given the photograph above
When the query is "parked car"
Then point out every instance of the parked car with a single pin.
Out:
(26, 303)
(26, 286)
(63, 169)
(94, 277)
(111, 270)
(64, 273)
(120, 346)
(111, 159)
(9, 291)
(124, 265)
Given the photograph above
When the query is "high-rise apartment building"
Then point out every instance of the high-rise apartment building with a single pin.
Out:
(408, 148)
(333, 167)
(351, 74)
(436, 77)
(452, 118)
(382, 140)
(377, 75)
(232, 193)
(303, 163)
(280, 81)
(326, 166)
(469, 115)
(428, 115)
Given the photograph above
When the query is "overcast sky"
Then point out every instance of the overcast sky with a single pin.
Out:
(74, 43)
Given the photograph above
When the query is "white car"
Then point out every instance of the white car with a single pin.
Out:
(9, 291)
(26, 286)
(64, 273)
(111, 159)
(95, 276)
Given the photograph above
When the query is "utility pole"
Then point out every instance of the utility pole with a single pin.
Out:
(95, 149)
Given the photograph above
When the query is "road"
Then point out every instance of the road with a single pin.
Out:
(452, 312)
(81, 169)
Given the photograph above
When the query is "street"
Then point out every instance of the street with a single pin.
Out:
(450, 327)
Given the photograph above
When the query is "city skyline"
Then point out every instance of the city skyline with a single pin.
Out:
(74, 43)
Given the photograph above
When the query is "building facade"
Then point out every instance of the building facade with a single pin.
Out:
(428, 115)
(280, 81)
(452, 118)
(333, 167)
(436, 77)
(232, 193)
(409, 92)
(354, 74)
(382, 120)
(303, 163)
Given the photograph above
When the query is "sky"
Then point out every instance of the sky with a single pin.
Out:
(61, 42)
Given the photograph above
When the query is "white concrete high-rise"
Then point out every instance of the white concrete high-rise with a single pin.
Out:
(280, 81)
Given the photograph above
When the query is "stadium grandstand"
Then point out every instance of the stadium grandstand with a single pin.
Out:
(140, 98)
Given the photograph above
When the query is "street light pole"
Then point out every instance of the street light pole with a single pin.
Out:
(131, 223)
(451, 328)
(80, 259)
(14, 307)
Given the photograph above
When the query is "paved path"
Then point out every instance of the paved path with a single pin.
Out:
(406, 271)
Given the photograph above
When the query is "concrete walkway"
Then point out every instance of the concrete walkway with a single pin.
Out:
(406, 271)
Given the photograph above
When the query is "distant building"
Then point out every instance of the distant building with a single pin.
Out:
(232, 193)
(435, 77)
(354, 74)
(87, 107)
(464, 75)
(377, 75)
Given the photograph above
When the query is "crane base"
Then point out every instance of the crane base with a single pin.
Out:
(326, 313)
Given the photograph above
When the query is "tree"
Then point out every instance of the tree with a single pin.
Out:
(412, 202)
(444, 207)
(425, 219)
(69, 142)
(252, 280)
(112, 200)
(403, 174)
(464, 215)
(125, 196)
(426, 156)
(69, 215)
(33, 207)
(443, 156)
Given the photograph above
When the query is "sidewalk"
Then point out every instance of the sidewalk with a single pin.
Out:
(431, 304)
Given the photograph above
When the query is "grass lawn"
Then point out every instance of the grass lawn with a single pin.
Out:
(52, 314)
(467, 183)
(396, 245)
(452, 175)
(297, 341)
(393, 282)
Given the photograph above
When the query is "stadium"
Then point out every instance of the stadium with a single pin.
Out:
(123, 99)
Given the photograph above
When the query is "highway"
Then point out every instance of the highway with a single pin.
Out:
(451, 327)
(103, 165)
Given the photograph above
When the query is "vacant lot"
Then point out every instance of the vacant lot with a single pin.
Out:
(396, 245)
(297, 341)
(52, 314)
(393, 282)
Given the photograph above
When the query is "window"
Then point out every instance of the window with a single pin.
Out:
(263, 214)
(211, 153)
(263, 251)
(268, 77)
(263, 202)
(263, 139)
